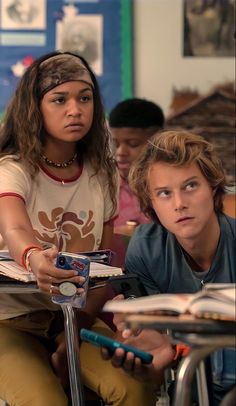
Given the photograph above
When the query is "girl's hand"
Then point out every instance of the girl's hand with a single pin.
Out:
(42, 264)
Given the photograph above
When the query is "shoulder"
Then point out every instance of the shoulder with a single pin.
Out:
(228, 225)
(149, 231)
(14, 176)
(147, 239)
(100, 176)
(12, 165)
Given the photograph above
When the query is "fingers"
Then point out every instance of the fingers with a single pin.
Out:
(126, 360)
(49, 276)
(51, 285)
(118, 297)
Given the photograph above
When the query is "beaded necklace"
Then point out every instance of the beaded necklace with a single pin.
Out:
(65, 164)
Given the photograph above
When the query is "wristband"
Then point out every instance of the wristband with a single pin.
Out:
(26, 254)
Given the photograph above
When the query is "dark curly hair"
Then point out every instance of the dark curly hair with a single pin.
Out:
(22, 132)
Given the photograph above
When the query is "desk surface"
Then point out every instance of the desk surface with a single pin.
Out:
(9, 285)
(187, 324)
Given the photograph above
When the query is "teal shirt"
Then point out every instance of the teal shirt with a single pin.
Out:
(156, 257)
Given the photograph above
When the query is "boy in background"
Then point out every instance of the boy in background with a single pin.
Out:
(132, 122)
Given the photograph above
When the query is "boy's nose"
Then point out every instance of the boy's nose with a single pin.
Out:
(122, 150)
(179, 202)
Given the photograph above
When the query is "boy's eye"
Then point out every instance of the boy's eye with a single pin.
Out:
(133, 144)
(163, 193)
(191, 186)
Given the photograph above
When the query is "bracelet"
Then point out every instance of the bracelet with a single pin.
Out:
(26, 254)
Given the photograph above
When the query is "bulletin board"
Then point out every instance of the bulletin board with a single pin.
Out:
(99, 30)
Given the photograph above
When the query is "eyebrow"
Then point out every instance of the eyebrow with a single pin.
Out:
(183, 183)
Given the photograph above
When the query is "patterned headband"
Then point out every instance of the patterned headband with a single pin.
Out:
(59, 69)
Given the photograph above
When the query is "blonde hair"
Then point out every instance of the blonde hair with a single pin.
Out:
(177, 148)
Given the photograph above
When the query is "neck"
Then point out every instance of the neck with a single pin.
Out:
(201, 250)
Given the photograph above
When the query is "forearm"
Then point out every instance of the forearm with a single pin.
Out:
(15, 226)
(17, 239)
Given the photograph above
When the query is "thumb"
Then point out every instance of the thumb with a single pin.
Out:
(119, 297)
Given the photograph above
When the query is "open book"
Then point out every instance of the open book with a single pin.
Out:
(11, 269)
(216, 303)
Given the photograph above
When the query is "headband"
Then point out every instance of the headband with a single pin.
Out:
(59, 69)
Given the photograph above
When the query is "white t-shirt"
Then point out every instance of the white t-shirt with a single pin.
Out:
(67, 214)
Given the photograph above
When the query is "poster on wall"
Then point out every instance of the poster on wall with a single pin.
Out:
(98, 30)
(209, 29)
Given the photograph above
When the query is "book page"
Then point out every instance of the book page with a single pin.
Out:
(177, 303)
(13, 270)
(102, 270)
(216, 303)
(220, 302)
(213, 308)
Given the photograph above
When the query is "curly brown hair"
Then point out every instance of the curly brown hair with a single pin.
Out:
(22, 132)
(177, 148)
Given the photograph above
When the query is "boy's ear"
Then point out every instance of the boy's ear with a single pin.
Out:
(214, 191)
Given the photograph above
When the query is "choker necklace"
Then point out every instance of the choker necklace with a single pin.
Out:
(57, 164)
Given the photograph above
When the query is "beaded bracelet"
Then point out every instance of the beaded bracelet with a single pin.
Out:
(26, 254)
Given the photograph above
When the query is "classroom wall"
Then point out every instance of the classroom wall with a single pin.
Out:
(158, 61)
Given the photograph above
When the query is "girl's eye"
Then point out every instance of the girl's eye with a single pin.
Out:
(85, 99)
(59, 100)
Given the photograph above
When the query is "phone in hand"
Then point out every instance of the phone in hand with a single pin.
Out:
(107, 342)
(129, 285)
(68, 289)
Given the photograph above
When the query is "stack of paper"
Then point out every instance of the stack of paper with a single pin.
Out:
(10, 268)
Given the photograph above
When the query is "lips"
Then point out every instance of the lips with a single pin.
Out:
(182, 219)
(123, 164)
(74, 124)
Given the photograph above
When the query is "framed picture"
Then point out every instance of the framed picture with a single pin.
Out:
(98, 30)
(208, 28)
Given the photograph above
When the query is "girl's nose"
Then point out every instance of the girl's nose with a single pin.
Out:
(74, 109)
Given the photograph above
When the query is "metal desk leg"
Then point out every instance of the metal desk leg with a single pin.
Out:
(185, 374)
(202, 385)
(71, 333)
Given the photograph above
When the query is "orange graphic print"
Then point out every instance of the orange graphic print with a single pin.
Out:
(66, 230)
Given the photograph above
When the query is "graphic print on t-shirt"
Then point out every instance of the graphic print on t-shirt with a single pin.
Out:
(66, 230)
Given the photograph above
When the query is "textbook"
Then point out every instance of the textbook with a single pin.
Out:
(212, 302)
(11, 269)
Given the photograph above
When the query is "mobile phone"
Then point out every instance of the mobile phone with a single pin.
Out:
(101, 256)
(129, 285)
(107, 342)
(68, 290)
